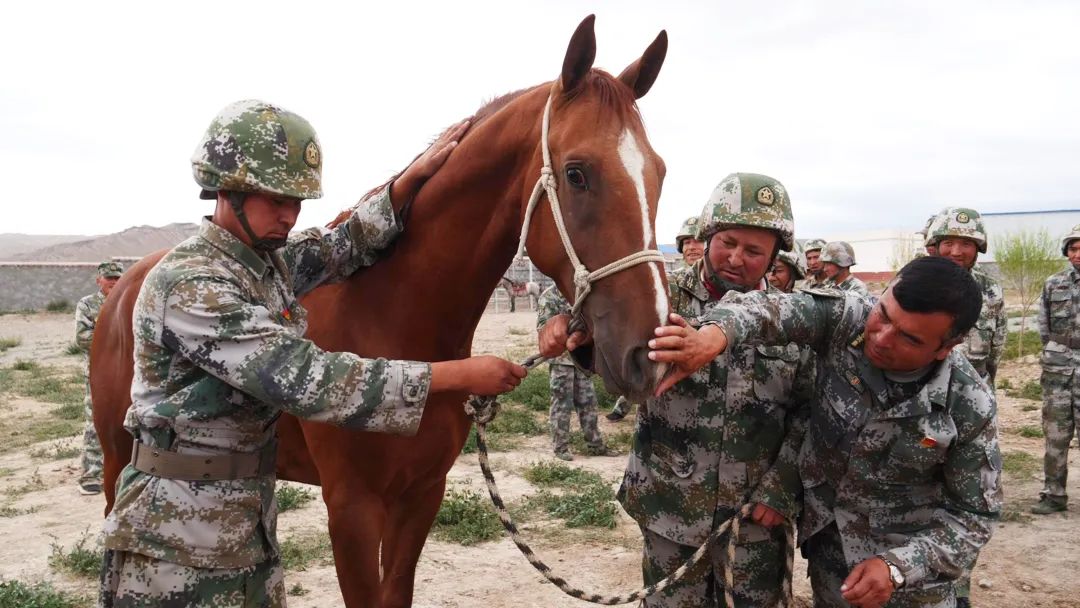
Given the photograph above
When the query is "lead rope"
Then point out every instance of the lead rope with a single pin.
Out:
(483, 410)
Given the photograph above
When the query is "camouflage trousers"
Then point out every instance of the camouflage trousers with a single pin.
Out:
(92, 459)
(758, 570)
(1061, 408)
(571, 389)
(828, 568)
(131, 580)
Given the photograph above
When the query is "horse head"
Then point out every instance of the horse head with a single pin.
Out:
(608, 180)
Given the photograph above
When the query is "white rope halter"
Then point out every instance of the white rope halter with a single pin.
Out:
(583, 279)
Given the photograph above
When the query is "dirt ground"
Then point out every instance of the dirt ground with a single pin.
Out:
(1026, 564)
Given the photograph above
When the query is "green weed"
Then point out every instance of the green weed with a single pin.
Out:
(6, 343)
(1016, 462)
(17, 594)
(292, 497)
(1030, 431)
(555, 473)
(466, 518)
(302, 550)
(79, 560)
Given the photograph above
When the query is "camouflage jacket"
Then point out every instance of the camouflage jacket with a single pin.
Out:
(912, 470)
(550, 304)
(810, 282)
(86, 314)
(986, 341)
(219, 351)
(1059, 319)
(852, 283)
(728, 434)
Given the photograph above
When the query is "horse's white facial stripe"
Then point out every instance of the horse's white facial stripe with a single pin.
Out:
(634, 162)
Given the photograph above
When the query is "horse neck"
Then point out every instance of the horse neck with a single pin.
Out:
(462, 233)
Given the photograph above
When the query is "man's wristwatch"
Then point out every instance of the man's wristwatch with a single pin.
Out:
(895, 575)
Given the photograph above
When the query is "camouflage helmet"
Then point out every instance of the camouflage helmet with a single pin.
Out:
(839, 253)
(796, 261)
(813, 245)
(1068, 238)
(253, 146)
(109, 270)
(689, 230)
(748, 199)
(957, 222)
(926, 227)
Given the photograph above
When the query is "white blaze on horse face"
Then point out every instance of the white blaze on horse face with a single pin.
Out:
(634, 162)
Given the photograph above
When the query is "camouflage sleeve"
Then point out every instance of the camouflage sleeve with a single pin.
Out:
(550, 304)
(84, 325)
(1001, 326)
(973, 497)
(781, 487)
(210, 322)
(806, 318)
(1044, 312)
(326, 255)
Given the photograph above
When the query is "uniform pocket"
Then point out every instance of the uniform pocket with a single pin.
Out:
(1056, 360)
(774, 372)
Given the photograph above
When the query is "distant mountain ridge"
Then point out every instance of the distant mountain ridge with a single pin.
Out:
(136, 241)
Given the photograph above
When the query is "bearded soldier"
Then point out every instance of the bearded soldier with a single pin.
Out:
(86, 314)
(728, 435)
(220, 352)
(1059, 328)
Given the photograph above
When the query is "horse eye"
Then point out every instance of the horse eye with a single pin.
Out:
(576, 178)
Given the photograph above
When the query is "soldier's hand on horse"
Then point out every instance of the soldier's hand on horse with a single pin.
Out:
(483, 375)
(553, 338)
(413, 177)
(869, 584)
(685, 348)
(764, 515)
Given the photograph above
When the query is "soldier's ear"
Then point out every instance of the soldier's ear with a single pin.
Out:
(947, 347)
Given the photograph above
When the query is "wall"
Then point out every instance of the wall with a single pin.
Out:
(33, 285)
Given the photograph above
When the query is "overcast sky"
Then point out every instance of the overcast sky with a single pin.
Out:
(873, 114)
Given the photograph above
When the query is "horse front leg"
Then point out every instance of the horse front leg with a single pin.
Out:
(407, 529)
(356, 520)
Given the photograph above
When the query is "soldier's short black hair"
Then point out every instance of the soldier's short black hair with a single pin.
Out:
(935, 284)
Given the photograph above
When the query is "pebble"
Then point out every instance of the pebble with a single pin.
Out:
(986, 583)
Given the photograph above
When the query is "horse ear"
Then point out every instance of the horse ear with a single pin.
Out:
(580, 54)
(641, 74)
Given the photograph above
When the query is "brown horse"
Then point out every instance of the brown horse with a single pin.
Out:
(382, 492)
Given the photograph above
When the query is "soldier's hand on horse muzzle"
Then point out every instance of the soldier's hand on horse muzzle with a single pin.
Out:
(554, 338)
(685, 348)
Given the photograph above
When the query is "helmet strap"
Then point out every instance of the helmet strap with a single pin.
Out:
(236, 201)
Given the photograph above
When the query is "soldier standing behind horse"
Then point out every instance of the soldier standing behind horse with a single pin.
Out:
(571, 387)
(220, 353)
(1059, 328)
(86, 314)
(836, 261)
(730, 434)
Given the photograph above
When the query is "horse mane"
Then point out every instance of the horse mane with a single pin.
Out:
(613, 95)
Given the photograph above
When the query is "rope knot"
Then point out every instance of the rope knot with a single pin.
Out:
(581, 278)
(482, 409)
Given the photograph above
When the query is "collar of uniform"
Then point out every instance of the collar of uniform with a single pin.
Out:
(1073, 274)
(689, 280)
(233, 247)
(934, 390)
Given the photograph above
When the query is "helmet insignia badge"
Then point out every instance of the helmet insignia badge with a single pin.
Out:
(765, 196)
(312, 155)
(963, 217)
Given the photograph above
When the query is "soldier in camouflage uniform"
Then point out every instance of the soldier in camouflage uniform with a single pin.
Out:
(571, 388)
(787, 271)
(729, 434)
(815, 272)
(220, 352)
(86, 314)
(837, 259)
(958, 234)
(901, 467)
(1059, 328)
(687, 242)
(930, 249)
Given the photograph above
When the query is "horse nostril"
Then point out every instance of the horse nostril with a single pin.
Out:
(637, 369)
